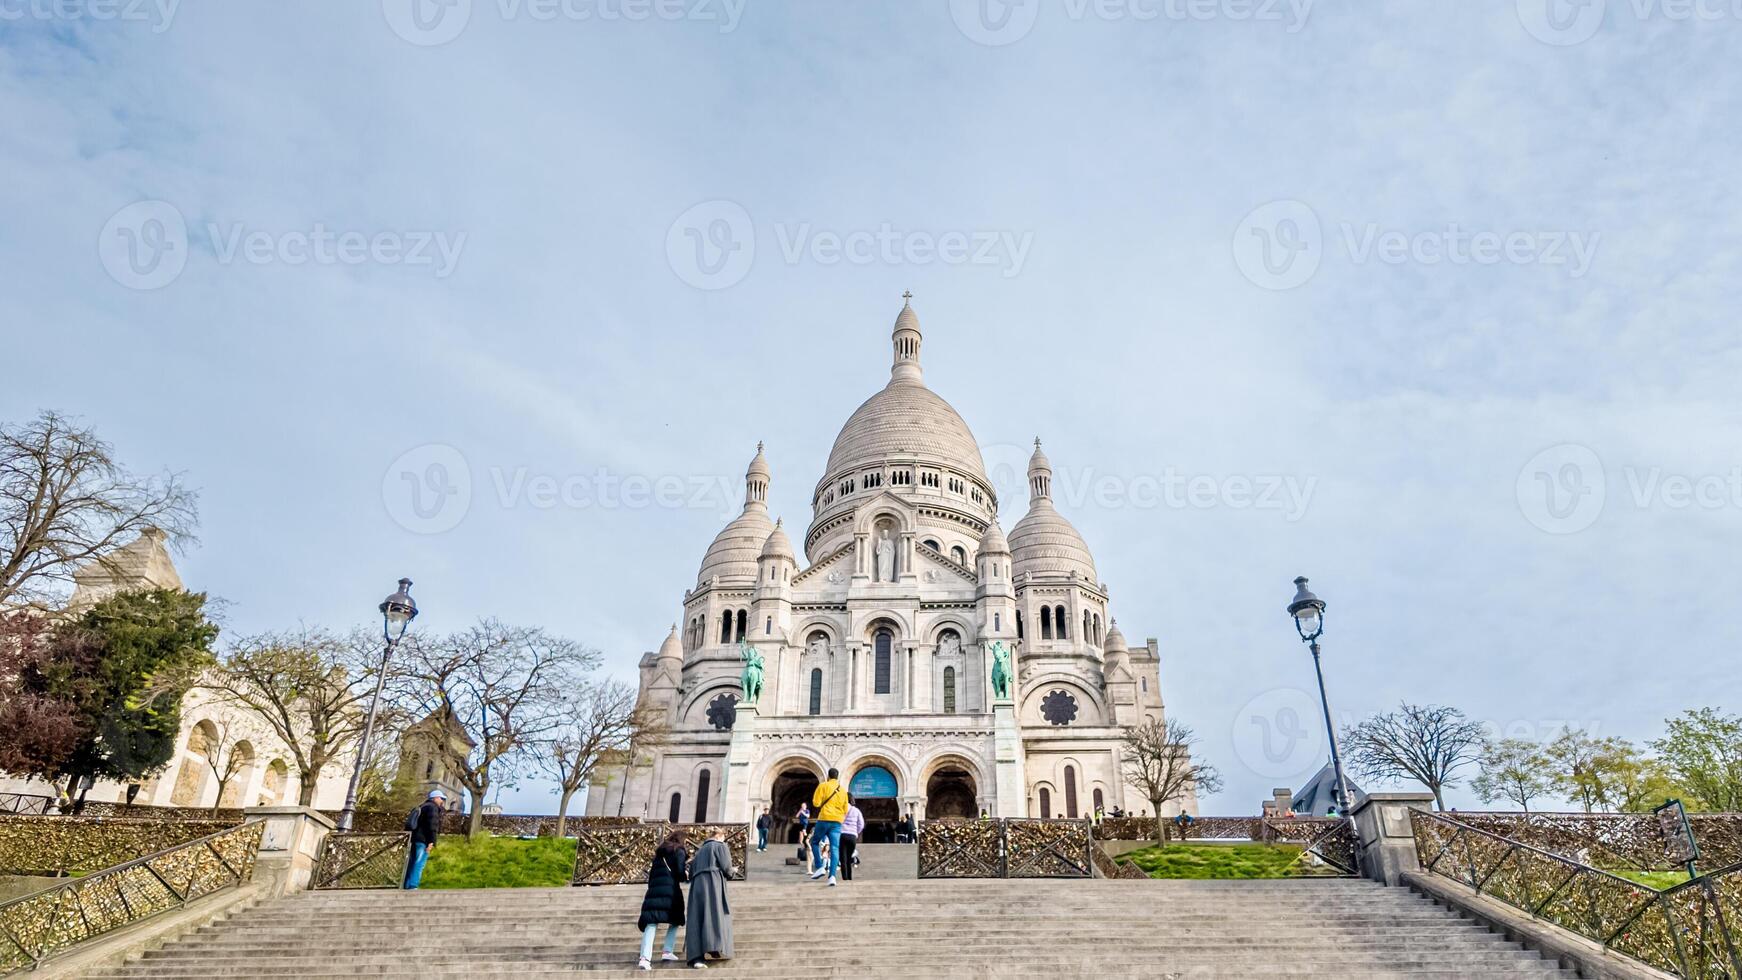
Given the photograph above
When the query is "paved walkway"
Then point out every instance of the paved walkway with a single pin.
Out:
(878, 862)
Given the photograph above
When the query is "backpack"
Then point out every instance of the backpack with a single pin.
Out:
(412, 817)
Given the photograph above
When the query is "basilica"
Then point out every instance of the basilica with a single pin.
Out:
(878, 644)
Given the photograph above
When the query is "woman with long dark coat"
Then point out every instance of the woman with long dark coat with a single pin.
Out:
(709, 932)
(663, 902)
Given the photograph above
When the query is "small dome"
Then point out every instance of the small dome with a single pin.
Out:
(672, 648)
(778, 545)
(1115, 639)
(733, 554)
(993, 541)
(735, 550)
(1044, 542)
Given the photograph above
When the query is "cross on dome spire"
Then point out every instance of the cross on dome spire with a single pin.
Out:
(906, 340)
(1039, 476)
(756, 480)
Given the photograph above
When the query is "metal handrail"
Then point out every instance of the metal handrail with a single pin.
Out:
(57, 897)
(1711, 900)
(15, 803)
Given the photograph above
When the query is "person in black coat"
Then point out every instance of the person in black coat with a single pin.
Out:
(663, 902)
(426, 826)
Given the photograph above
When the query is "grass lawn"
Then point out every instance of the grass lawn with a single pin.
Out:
(1659, 880)
(1204, 860)
(499, 862)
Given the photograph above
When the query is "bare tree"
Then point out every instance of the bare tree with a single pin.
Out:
(1428, 744)
(309, 687)
(1516, 770)
(598, 719)
(501, 685)
(1158, 760)
(219, 750)
(65, 502)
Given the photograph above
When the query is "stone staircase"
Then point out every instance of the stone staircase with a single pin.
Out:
(868, 930)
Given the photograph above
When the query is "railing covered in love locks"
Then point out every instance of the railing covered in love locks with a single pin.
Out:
(39, 845)
(623, 855)
(365, 860)
(1006, 847)
(48, 923)
(1688, 931)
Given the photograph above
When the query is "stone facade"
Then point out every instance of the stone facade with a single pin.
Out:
(261, 773)
(877, 646)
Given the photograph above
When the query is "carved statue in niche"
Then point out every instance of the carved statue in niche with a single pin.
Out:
(819, 646)
(885, 557)
(950, 645)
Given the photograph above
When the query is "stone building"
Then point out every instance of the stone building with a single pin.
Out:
(218, 741)
(877, 643)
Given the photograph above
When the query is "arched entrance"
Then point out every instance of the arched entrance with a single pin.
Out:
(875, 791)
(793, 788)
(950, 793)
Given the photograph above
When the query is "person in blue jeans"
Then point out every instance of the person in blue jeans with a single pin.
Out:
(830, 800)
(423, 836)
(762, 823)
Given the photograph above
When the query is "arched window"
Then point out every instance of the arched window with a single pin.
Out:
(702, 782)
(884, 644)
(949, 690)
(1100, 801)
(1071, 792)
(1045, 804)
(676, 807)
(726, 626)
(1058, 618)
(997, 622)
(767, 625)
(1046, 622)
(1019, 624)
(817, 691)
(958, 555)
(1088, 634)
(743, 623)
(932, 543)
(1098, 634)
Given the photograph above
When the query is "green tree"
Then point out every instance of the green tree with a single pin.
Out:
(1586, 768)
(123, 666)
(1515, 770)
(1640, 782)
(1702, 750)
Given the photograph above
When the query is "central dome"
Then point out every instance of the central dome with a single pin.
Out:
(906, 419)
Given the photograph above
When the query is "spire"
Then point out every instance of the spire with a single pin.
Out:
(906, 340)
(1039, 476)
(756, 481)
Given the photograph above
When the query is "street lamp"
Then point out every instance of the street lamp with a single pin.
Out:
(397, 612)
(1308, 611)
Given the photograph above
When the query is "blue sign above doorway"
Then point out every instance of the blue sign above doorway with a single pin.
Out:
(872, 782)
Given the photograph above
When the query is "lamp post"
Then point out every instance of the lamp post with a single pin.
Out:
(397, 612)
(1308, 611)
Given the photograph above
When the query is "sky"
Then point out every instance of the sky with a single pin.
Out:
(1422, 300)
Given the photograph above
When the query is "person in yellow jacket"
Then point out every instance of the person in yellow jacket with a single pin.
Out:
(830, 803)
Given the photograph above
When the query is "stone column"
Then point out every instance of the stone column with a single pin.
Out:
(735, 801)
(289, 845)
(1012, 787)
(1387, 846)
